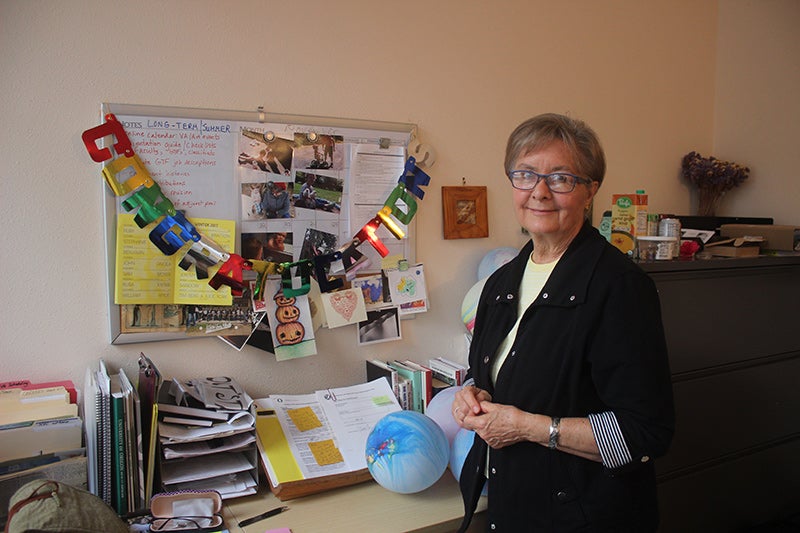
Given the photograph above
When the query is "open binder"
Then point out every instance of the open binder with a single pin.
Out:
(310, 443)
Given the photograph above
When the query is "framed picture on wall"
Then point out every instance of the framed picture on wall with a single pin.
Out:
(465, 211)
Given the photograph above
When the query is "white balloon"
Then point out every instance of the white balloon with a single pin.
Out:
(440, 411)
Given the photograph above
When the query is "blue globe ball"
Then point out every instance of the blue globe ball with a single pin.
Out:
(494, 259)
(407, 452)
(462, 443)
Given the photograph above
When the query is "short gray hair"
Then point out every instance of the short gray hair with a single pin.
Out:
(580, 139)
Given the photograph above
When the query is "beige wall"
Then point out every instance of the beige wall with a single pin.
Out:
(757, 113)
(642, 73)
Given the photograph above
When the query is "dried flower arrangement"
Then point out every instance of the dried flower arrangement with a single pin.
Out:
(713, 178)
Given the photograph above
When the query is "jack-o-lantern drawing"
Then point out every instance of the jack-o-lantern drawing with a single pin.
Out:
(289, 330)
(281, 300)
(287, 313)
(290, 333)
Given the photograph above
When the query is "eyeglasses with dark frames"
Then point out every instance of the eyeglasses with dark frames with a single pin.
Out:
(559, 182)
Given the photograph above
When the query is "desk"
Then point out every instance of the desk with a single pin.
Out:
(363, 507)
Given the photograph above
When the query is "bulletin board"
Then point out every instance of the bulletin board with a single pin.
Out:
(216, 166)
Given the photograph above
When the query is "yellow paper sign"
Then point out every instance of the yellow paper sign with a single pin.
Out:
(144, 275)
(325, 452)
(304, 418)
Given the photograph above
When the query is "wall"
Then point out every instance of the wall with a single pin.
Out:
(756, 105)
(642, 73)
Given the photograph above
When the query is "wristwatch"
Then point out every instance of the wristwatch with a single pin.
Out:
(554, 430)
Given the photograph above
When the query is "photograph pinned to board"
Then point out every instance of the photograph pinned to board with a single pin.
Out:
(315, 151)
(317, 242)
(260, 337)
(381, 325)
(344, 307)
(407, 289)
(265, 152)
(290, 322)
(238, 319)
(317, 192)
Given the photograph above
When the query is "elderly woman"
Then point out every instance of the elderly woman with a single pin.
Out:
(571, 398)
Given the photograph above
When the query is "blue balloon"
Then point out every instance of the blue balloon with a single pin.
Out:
(494, 259)
(407, 452)
(462, 443)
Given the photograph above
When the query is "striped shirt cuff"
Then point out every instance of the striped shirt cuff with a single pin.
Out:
(608, 435)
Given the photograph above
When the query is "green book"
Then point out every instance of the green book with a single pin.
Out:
(119, 478)
(417, 386)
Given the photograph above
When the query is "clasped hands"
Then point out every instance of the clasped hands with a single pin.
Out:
(497, 424)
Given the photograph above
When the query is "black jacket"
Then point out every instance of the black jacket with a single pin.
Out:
(591, 342)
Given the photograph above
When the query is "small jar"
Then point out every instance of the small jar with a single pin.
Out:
(655, 248)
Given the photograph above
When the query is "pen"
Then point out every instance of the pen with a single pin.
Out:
(262, 516)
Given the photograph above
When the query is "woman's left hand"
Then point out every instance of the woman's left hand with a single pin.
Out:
(499, 425)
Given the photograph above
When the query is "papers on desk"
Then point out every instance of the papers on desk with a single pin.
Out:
(207, 435)
(312, 442)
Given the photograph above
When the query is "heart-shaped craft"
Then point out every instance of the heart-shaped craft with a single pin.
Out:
(344, 303)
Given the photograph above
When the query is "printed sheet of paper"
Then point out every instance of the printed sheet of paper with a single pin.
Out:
(354, 411)
(300, 408)
(146, 276)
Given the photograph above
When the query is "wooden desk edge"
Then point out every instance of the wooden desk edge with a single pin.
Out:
(363, 507)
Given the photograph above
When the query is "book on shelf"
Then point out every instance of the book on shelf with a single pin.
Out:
(119, 447)
(310, 443)
(93, 427)
(425, 379)
(206, 436)
(127, 470)
(376, 368)
(113, 437)
(414, 378)
(449, 371)
(147, 387)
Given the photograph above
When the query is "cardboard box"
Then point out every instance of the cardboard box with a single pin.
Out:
(777, 237)
(628, 219)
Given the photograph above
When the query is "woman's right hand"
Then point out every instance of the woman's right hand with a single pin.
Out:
(468, 401)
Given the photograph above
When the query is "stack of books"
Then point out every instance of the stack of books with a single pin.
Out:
(114, 444)
(448, 371)
(415, 384)
(207, 437)
(40, 436)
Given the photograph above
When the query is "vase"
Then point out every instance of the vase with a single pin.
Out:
(708, 202)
